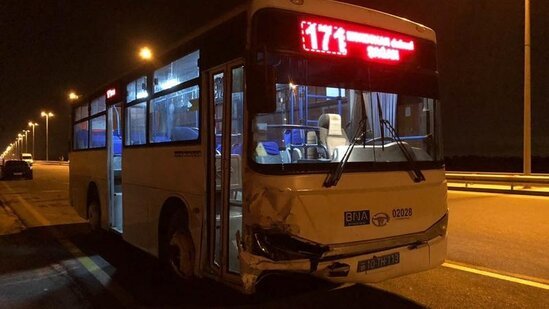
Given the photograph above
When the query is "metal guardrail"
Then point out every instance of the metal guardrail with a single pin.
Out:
(41, 162)
(498, 178)
(499, 182)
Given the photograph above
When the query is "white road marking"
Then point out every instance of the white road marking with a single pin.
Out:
(491, 274)
(121, 295)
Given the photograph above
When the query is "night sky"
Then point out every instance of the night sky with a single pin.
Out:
(48, 47)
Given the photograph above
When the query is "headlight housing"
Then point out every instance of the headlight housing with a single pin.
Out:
(280, 246)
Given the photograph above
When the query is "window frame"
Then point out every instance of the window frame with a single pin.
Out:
(87, 119)
(155, 79)
(147, 78)
(90, 104)
(188, 84)
(103, 113)
(152, 95)
(73, 148)
(76, 122)
(126, 122)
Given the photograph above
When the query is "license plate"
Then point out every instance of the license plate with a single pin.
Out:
(378, 262)
(17, 174)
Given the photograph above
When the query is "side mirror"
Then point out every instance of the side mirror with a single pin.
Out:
(261, 89)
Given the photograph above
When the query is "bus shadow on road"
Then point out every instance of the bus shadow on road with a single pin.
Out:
(306, 291)
(140, 276)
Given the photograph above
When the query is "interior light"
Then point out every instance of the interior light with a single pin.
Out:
(293, 86)
(169, 83)
(142, 94)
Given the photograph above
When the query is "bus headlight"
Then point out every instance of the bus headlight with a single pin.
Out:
(280, 246)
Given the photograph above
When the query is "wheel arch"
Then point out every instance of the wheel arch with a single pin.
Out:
(169, 207)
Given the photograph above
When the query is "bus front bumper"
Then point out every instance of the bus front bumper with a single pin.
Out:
(364, 268)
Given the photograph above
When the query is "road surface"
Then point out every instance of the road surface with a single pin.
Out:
(497, 257)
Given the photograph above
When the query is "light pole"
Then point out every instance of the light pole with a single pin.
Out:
(20, 144)
(527, 143)
(47, 115)
(32, 124)
(26, 140)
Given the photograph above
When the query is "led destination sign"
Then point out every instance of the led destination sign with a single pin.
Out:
(336, 38)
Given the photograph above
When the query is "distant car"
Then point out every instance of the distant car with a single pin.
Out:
(27, 157)
(15, 169)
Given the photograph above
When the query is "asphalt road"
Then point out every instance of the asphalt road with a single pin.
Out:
(497, 257)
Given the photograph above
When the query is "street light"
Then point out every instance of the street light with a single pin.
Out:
(73, 96)
(145, 53)
(32, 124)
(47, 115)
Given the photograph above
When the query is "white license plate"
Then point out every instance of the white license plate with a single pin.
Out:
(379, 262)
(17, 174)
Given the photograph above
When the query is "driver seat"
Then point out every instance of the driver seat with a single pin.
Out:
(331, 133)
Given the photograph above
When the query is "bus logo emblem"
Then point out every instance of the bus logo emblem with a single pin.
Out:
(380, 219)
(356, 217)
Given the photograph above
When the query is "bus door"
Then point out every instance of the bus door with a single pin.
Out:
(226, 98)
(114, 176)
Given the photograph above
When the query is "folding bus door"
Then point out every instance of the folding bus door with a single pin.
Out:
(226, 98)
(114, 148)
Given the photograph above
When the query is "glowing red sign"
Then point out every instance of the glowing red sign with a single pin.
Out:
(111, 93)
(345, 40)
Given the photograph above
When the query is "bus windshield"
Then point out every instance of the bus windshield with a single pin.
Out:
(318, 114)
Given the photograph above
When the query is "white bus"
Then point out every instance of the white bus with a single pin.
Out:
(286, 136)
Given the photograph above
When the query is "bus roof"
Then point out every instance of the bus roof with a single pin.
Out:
(349, 12)
(326, 8)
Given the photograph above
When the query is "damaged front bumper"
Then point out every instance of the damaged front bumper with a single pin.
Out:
(361, 262)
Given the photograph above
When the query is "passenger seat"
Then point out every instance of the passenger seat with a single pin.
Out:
(332, 134)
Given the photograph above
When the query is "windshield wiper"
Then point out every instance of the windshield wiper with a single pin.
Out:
(414, 171)
(333, 177)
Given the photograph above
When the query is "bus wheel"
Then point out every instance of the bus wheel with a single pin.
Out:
(178, 247)
(94, 216)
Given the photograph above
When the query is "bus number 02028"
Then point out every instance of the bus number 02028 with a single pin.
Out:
(402, 212)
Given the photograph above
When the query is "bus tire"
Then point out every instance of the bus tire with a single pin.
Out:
(94, 215)
(176, 248)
